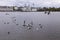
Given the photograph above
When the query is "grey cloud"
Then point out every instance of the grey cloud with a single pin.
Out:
(40, 3)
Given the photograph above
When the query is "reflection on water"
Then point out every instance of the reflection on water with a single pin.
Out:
(29, 26)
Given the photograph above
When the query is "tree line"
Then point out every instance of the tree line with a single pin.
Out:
(48, 9)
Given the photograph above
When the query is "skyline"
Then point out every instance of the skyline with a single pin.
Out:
(38, 3)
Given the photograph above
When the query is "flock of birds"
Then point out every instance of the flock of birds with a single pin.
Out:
(47, 12)
(28, 26)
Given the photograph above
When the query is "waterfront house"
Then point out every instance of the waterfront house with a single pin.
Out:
(27, 9)
(15, 8)
(6, 8)
(34, 9)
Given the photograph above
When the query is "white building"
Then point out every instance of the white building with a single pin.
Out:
(28, 9)
(34, 9)
(15, 8)
(6, 8)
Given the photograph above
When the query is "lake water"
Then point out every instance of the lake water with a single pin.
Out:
(38, 26)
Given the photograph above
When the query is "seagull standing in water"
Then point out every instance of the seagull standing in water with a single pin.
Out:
(29, 26)
(8, 32)
(40, 25)
(24, 23)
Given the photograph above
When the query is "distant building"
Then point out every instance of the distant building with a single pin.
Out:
(6, 8)
(28, 9)
(15, 8)
(33, 9)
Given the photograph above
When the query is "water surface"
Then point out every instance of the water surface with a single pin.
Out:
(44, 27)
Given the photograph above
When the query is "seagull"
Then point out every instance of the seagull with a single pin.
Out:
(17, 24)
(4, 22)
(29, 26)
(7, 22)
(40, 25)
(48, 12)
(8, 32)
(24, 23)
(15, 20)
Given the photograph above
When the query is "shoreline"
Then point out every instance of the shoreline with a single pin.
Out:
(28, 11)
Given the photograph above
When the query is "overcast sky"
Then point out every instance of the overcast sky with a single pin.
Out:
(41, 3)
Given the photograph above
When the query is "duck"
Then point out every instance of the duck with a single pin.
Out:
(48, 12)
(40, 25)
